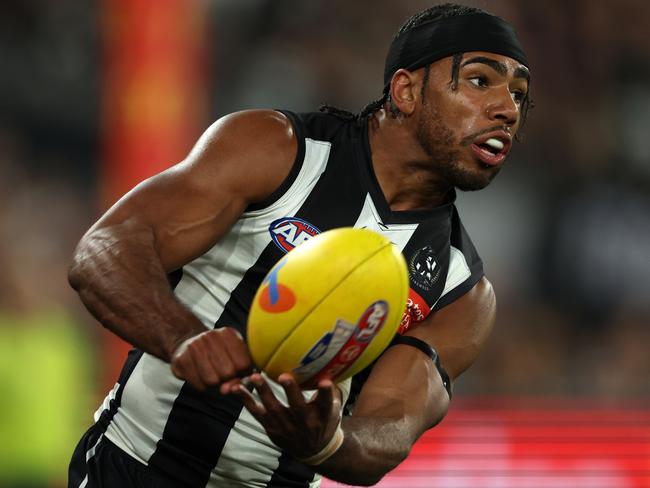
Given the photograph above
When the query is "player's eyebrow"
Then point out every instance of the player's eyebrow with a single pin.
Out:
(502, 69)
(522, 72)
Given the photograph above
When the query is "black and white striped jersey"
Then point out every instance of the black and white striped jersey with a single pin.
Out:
(204, 439)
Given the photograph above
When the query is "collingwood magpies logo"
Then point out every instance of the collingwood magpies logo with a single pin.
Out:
(423, 268)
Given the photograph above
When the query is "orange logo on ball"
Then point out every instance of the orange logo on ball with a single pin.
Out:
(276, 297)
(284, 300)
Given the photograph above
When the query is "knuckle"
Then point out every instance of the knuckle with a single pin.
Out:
(210, 378)
(273, 410)
(177, 370)
(232, 335)
(227, 370)
(242, 364)
(181, 362)
(201, 340)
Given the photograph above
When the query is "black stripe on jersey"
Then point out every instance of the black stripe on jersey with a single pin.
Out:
(291, 473)
(131, 362)
(433, 234)
(199, 424)
(175, 278)
(78, 464)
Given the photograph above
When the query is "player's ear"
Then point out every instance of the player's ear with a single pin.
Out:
(403, 91)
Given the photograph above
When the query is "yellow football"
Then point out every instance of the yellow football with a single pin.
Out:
(329, 307)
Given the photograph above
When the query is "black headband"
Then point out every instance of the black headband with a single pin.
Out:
(440, 38)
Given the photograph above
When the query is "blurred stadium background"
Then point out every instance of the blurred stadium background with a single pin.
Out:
(95, 96)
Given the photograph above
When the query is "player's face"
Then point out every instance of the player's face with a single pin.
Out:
(468, 129)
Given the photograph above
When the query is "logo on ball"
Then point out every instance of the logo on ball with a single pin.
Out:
(337, 350)
(289, 232)
(276, 297)
(371, 321)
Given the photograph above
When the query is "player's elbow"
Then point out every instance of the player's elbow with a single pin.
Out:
(78, 276)
(83, 268)
(389, 463)
(75, 273)
(373, 466)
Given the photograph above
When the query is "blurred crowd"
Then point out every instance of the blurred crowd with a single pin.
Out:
(564, 230)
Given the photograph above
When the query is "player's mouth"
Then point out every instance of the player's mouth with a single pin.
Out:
(492, 148)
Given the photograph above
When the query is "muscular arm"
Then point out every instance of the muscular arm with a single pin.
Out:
(404, 395)
(119, 267)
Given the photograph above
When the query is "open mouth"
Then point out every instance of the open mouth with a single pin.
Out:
(491, 152)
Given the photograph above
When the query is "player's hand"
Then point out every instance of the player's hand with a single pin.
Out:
(304, 427)
(215, 357)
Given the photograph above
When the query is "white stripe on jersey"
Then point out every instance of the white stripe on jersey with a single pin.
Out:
(106, 404)
(247, 455)
(316, 155)
(147, 400)
(458, 271)
(398, 234)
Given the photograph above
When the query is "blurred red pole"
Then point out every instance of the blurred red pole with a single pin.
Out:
(154, 100)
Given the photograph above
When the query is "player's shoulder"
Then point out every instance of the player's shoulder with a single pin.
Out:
(250, 151)
(322, 126)
(252, 129)
(250, 138)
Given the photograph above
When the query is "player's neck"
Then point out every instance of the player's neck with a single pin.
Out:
(402, 168)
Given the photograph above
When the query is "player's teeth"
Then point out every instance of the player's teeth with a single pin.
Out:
(494, 143)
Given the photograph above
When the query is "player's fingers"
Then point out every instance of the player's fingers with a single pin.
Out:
(219, 357)
(270, 402)
(325, 398)
(183, 368)
(229, 386)
(294, 393)
(200, 354)
(255, 408)
(237, 350)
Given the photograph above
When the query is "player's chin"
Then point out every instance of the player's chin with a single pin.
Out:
(475, 176)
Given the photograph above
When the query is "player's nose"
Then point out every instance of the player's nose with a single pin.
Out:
(504, 109)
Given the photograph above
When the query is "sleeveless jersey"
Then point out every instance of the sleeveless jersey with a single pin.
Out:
(203, 439)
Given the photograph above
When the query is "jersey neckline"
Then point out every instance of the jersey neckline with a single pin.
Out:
(388, 216)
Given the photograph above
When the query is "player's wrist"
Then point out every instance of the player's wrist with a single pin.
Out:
(178, 343)
(328, 451)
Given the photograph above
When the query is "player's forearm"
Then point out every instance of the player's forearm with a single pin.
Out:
(121, 281)
(372, 448)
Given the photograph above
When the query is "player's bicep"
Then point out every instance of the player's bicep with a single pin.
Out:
(240, 160)
(459, 330)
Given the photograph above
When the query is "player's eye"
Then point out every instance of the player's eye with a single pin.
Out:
(478, 81)
(518, 96)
